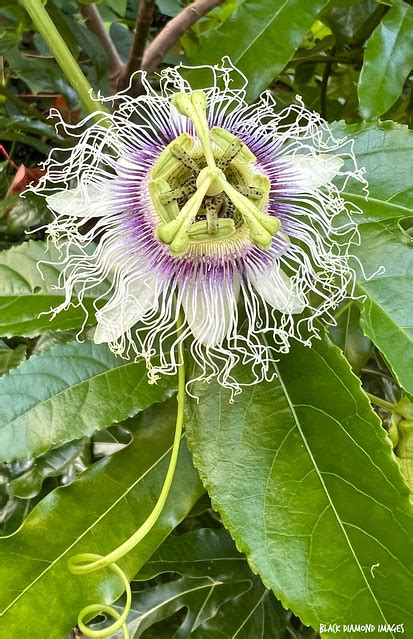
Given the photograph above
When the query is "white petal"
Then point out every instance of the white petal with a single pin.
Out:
(124, 310)
(313, 171)
(210, 310)
(276, 288)
(89, 201)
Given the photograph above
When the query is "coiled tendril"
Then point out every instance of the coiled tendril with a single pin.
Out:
(86, 563)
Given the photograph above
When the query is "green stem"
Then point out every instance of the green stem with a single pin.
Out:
(370, 371)
(64, 58)
(381, 402)
(323, 90)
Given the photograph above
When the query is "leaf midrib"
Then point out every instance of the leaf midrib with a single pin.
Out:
(65, 390)
(87, 530)
(324, 487)
(405, 211)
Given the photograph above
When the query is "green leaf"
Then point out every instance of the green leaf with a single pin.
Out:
(388, 60)
(94, 514)
(383, 150)
(11, 357)
(68, 392)
(58, 462)
(348, 335)
(40, 75)
(221, 596)
(386, 317)
(25, 295)
(259, 38)
(304, 478)
(169, 8)
(350, 20)
(387, 312)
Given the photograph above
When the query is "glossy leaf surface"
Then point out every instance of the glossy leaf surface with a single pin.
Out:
(39, 597)
(26, 297)
(388, 60)
(386, 248)
(259, 38)
(68, 392)
(303, 476)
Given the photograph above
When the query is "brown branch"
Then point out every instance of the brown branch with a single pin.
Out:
(94, 23)
(173, 30)
(140, 36)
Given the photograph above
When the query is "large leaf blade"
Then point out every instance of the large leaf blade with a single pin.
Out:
(388, 60)
(304, 479)
(259, 38)
(39, 596)
(70, 391)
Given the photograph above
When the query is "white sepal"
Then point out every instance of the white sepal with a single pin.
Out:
(276, 288)
(124, 310)
(87, 201)
(210, 309)
(314, 171)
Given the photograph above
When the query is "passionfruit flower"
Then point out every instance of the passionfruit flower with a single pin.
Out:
(194, 202)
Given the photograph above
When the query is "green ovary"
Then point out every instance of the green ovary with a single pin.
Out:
(207, 192)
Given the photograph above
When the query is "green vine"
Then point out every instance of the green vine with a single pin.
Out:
(85, 563)
(64, 58)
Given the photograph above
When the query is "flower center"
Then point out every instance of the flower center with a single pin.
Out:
(208, 190)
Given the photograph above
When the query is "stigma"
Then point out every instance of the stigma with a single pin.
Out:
(206, 191)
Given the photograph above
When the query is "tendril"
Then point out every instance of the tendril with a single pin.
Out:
(86, 563)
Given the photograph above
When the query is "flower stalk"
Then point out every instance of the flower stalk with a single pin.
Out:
(64, 58)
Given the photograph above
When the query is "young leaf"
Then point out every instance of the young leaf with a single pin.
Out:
(304, 478)
(259, 38)
(39, 597)
(26, 297)
(68, 392)
(388, 60)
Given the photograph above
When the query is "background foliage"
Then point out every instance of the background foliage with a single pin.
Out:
(309, 482)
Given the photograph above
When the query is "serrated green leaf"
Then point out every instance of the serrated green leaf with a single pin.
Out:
(68, 392)
(11, 357)
(39, 597)
(387, 317)
(388, 60)
(259, 38)
(383, 150)
(387, 313)
(26, 297)
(220, 595)
(303, 476)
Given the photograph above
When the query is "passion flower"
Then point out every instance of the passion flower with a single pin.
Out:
(194, 201)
